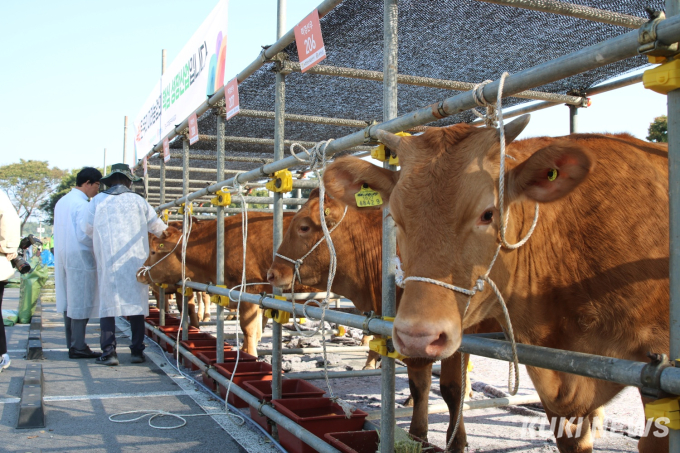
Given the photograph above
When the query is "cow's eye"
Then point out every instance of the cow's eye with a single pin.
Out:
(304, 228)
(487, 217)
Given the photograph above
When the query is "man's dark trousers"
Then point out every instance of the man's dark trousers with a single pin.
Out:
(108, 334)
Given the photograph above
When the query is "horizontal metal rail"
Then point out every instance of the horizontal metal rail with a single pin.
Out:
(595, 56)
(315, 350)
(194, 169)
(297, 184)
(305, 118)
(516, 400)
(268, 141)
(192, 157)
(403, 79)
(350, 373)
(269, 411)
(265, 56)
(605, 87)
(578, 11)
(626, 372)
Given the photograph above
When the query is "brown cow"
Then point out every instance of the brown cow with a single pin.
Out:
(358, 244)
(201, 261)
(593, 277)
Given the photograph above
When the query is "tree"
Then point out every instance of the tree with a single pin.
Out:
(68, 181)
(658, 130)
(29, 184)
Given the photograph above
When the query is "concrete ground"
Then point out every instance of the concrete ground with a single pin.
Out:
(81, 395)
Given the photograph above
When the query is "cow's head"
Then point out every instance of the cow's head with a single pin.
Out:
(303, 232)
(444, 201)
(168, 271)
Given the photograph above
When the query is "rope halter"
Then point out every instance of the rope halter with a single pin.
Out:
(298, 262)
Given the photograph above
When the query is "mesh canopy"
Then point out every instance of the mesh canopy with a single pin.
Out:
(462, 40)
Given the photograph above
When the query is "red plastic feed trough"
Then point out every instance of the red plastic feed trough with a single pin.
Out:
(290, 388)
(317, 415)
(246, 371)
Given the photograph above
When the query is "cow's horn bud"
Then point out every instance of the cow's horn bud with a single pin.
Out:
(390, 140)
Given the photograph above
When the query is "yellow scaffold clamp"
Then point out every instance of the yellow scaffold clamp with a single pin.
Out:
(384, 346)
(188, 292)
(164, 215)
(382, 153)
(222, 199)
(279, 316)
(180, 211)
(222, 301)
(664, 78)
(281, 182)
(341, 331)
(162, 285)
(665, 411)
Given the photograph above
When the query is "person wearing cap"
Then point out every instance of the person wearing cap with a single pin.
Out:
(118, 221)
(75, 270)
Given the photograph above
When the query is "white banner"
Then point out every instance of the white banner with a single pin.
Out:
(148, 122)
(197, 71)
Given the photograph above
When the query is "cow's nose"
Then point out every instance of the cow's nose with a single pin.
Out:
(423, 340)
(271, 276)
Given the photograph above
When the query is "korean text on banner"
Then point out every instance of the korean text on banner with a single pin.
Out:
(193, 129)
(144, 165)
(309, 41)
(231, 98)
(148, 122)
(197, 71)
(166, 150)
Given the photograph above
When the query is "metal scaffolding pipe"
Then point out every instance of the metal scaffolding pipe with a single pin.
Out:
(403, 79)
(597, 55)
(185, 191)
(265, 56)
(578, 11)
(219, 275)
(516, 400)
(311, 375)
(257, 160)
(389, 240)
(297, 183)
(305, 118)
(194, 169)
(315, 350)
(161, 195)
(268, 142)
(626, 372)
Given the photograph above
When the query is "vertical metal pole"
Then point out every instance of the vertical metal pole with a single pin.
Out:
(672, 9)
(389, 241)
(298, 194)
(219, 278)
(125, 141)
(573, 119)
(279, 111)
(161, 291)
(185, 192)
(161, 195)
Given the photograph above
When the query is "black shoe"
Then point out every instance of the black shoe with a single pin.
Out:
(87, 353)
(110, 360)
(137, 357)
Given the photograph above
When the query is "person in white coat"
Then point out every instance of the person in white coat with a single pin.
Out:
(118, 222)
(10, 227)
(75, 270)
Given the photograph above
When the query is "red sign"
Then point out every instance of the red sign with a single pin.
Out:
(193, 129)
(166, 150)
(309, 41)
(231, 98)
(144, 165)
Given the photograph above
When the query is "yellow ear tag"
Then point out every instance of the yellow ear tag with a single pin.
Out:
(552, 174)
(327, 211)
(367, 197)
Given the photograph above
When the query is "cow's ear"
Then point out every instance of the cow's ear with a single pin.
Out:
(550, 173)
(345, 177)
(169, 232)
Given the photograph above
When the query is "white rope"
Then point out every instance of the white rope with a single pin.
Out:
(154, 414)
(316, 158)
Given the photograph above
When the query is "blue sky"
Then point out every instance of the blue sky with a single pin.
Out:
(74, 69)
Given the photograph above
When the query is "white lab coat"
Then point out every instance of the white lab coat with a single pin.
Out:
(119, 227)
(75, 270)
(10, 226)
